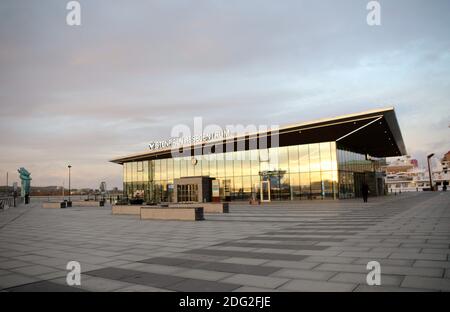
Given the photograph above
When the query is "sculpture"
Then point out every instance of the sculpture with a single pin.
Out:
(25, 182)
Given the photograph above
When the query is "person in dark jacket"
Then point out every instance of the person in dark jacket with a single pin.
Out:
(365, 191)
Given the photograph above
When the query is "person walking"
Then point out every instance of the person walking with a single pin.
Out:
(365, 191)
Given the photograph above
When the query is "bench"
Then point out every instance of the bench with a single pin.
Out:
(126, 210)
(54, 205)
(172, 213)
(90, 203)
(207, 207)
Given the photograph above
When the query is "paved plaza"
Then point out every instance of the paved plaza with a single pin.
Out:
(293, 246)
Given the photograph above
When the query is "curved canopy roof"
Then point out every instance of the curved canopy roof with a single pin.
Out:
(374, 132)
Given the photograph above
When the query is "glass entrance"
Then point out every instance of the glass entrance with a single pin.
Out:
(265, 191)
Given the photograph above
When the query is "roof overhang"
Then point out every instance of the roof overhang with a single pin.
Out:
(374, 132)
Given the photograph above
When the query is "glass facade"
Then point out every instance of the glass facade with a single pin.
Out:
(309, 171)
(352, 167)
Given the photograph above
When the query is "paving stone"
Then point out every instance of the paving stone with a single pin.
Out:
(387, 262)
(13, 264)
(239, 268)
(329, 259)
(238, 260)
(15, 279)
(414, 271)
(375, 288)
(102, 284)
(164, 261)
(202, 274)
(34, 270)
(291, 264)
(418, 256)
(426, 283)
(141, 288)
(44, 286)
(254, 289)
(193, 285)
(242, 254)
(308, 285)
(255, 280)
(303, 274)
(360, 278)
(332, 237)
(339, 267)
(276, 246)
(368, 254)
(156, 268)
(432, 264)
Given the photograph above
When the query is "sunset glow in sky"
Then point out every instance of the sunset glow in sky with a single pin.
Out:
(86, 94)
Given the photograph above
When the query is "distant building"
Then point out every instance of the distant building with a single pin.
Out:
(441, 174)
(403, 175)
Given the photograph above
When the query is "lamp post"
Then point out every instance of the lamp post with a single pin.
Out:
(429, 170)
(69, 166)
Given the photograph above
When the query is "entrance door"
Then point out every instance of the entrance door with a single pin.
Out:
(265, 191)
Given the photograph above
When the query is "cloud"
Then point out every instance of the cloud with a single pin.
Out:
(133, 70)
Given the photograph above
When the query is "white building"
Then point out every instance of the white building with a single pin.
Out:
(403, 175)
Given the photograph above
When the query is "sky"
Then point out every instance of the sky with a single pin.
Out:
(132, 70)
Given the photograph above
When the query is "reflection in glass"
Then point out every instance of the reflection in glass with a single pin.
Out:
(303, 151)
(308, 171)
(314, 158)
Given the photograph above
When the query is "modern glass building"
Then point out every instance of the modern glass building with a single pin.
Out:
(324, 159)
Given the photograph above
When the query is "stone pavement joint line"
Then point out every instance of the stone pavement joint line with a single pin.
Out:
(280, 246)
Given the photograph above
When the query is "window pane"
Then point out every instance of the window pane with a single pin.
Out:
(157, 170)
(212, 166)
(293, 159)
(246, 163)
(285, 191)
(256, 183)
(229, 164)
(273, 159)
(328, 185)
(247, 187)
(264, 160)
(220, 165)
(314, 157)
(183, 167)
(176, 168)
(305, 185)
(254, 155)
(139, 171)
(294, 186)
(237, 165)
(205, 165)
(145, 171)
(283, 158)
(237, 188)
(325, 157)
(303, 151)
(190, 167)
(333, 156)
(197, 166)
(169, 168)
(316, 185)
(163, 169)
